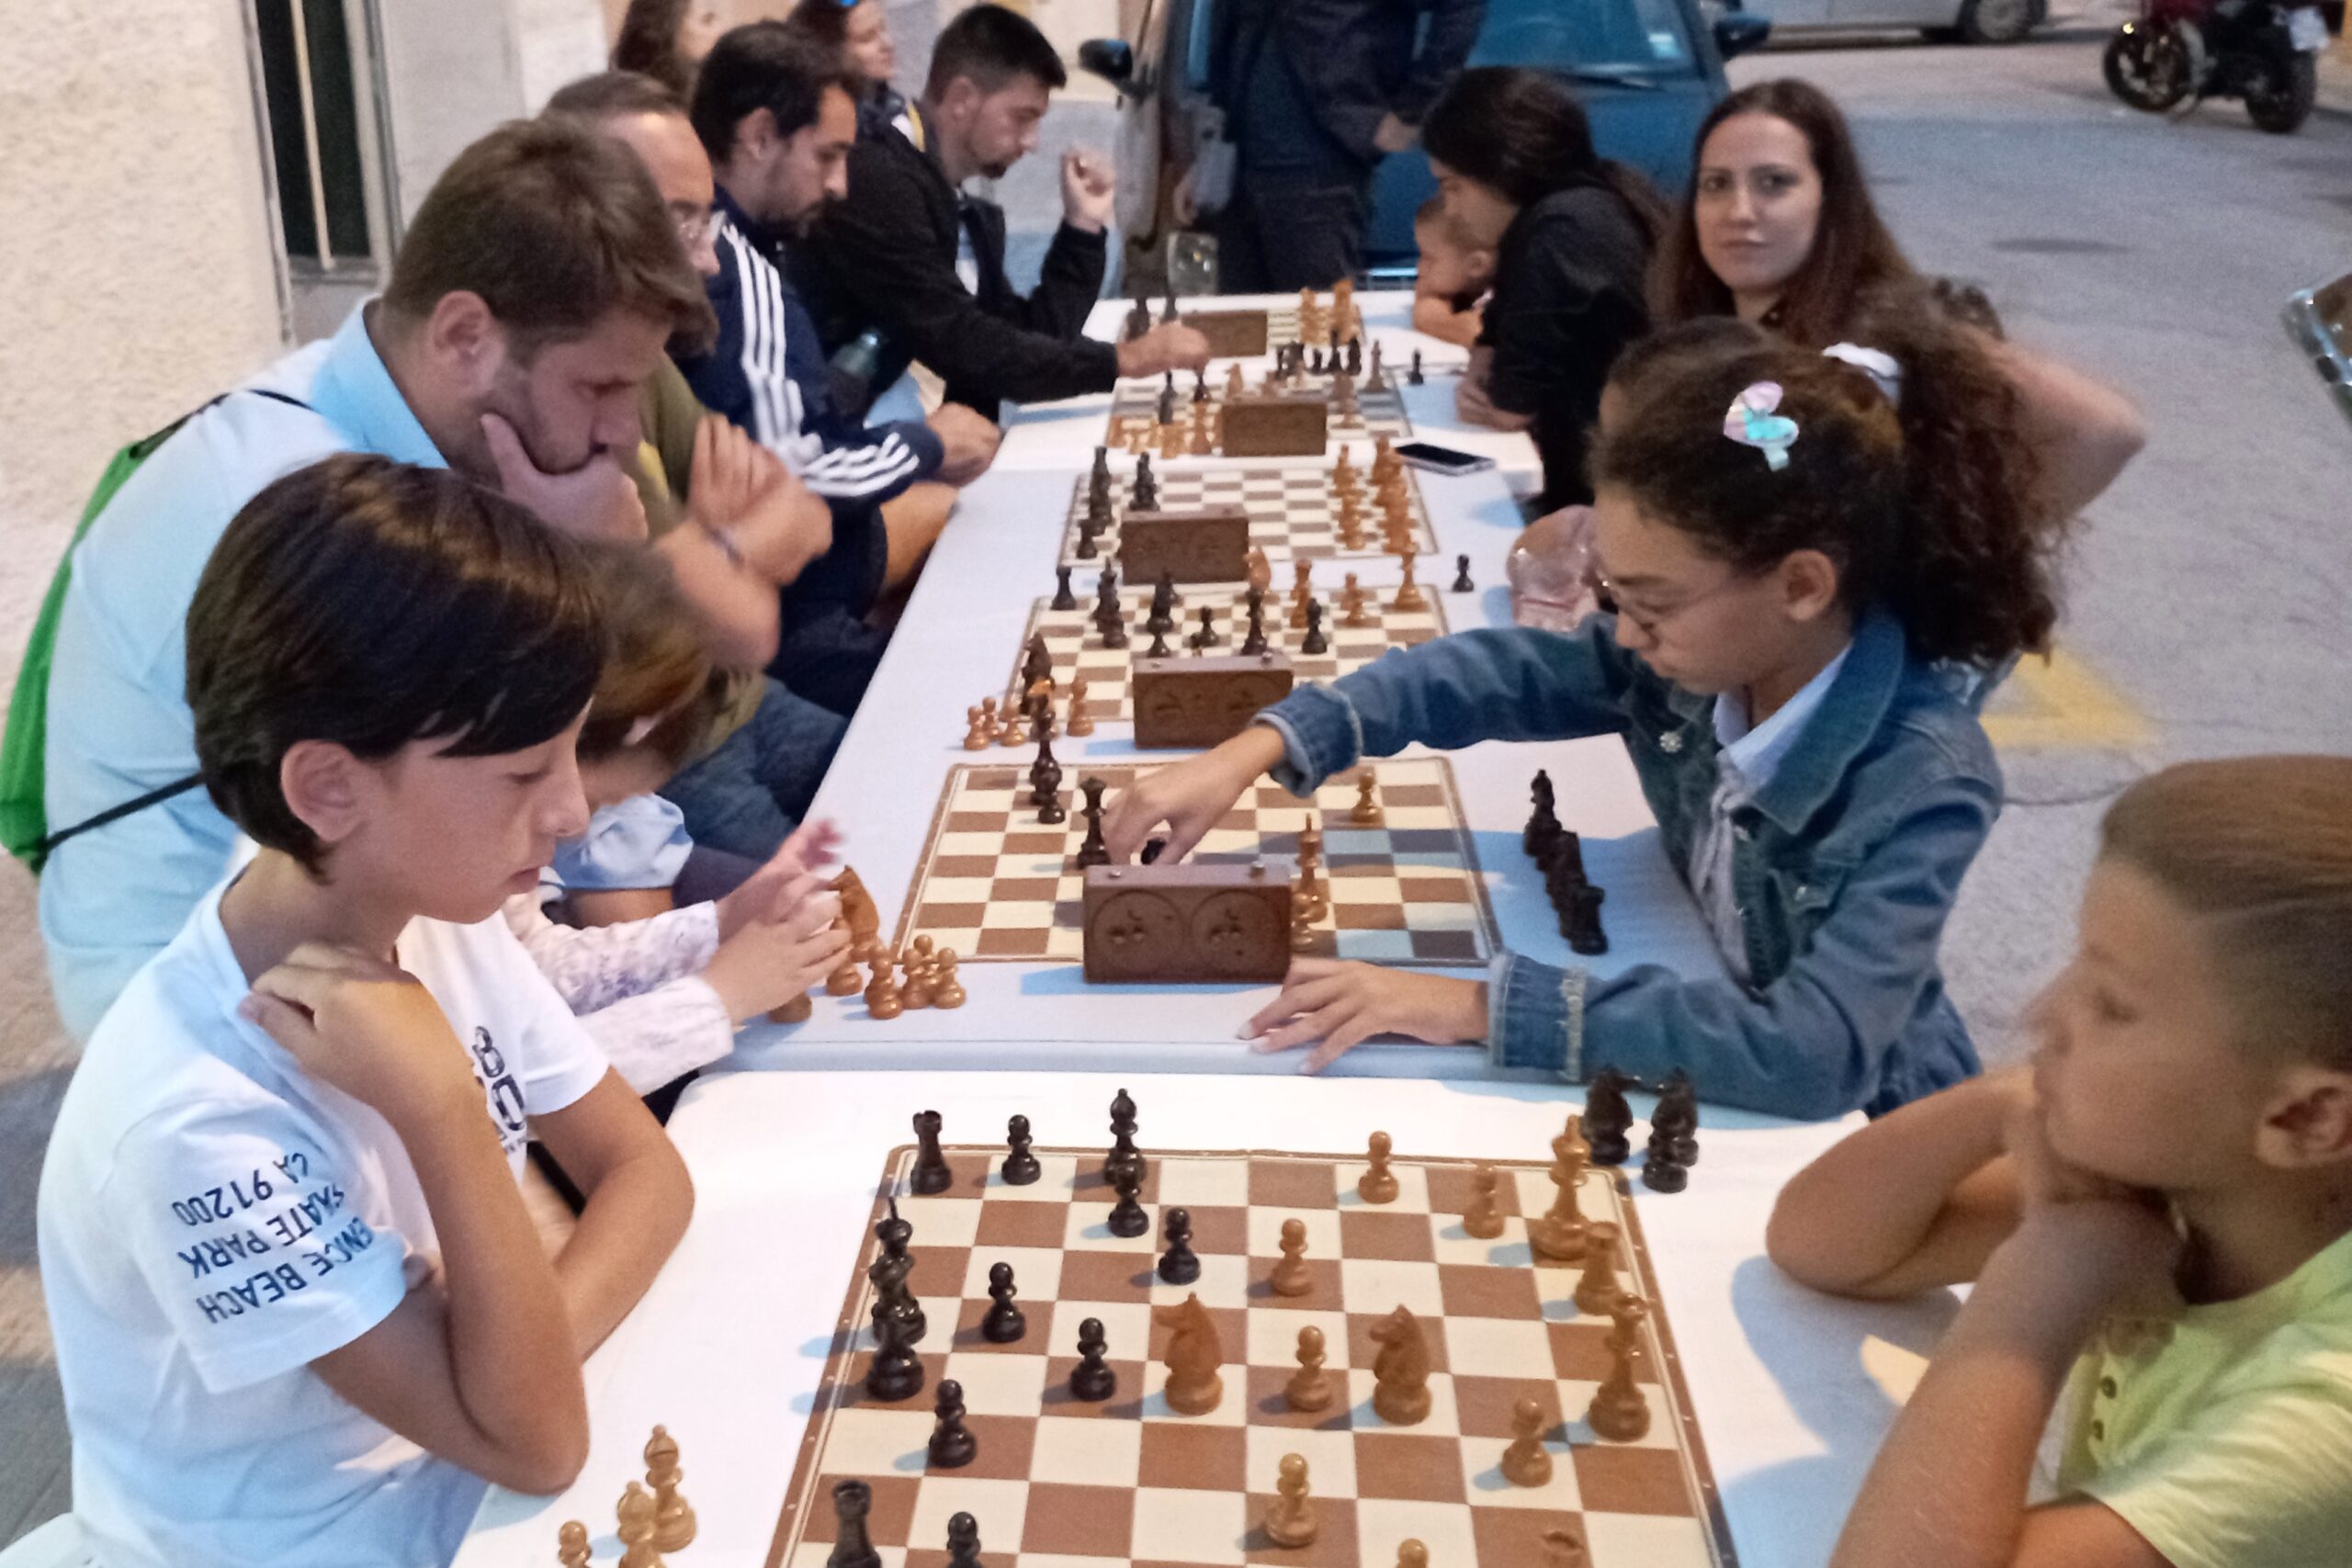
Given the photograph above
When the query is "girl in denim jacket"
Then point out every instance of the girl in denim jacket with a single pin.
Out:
(1818, 564)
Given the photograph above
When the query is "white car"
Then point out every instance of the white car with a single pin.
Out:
(1978, 21)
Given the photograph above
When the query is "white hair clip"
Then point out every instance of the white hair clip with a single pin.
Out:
(1880, 366)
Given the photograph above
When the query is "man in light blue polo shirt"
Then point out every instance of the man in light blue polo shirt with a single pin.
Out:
(531, 298)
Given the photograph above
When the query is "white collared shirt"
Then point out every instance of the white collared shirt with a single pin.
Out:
(1748, 759)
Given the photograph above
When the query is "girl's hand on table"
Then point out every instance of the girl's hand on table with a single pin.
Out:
(1342, 1004)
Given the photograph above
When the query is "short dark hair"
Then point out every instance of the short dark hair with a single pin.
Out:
(989, 46)
(648, 42)
(555, 226)
(611, 95)
(371, 604)
(763, 65)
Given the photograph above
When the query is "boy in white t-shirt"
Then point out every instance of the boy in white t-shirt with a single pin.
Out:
(302, 1316)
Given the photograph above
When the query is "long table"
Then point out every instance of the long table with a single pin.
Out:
(1792, 1393)
(958, 641)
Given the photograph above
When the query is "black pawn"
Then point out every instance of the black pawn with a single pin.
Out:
(1092, 850)
(1093, 1380)
(931, 1175)
(952, 1447)
(1209, 627)
(1063, 598)
(1315, 641)
(1179, 1265)
(1019, 1167)
(1606, 1117)
(852, 1547)
(1461, 583)
(896, 1371)
(1660, 1171)
(1127, 1219)
(963, 1541)
(1005, 1323)
(1413, 374)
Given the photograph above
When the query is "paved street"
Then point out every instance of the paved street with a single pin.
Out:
(2208, 589)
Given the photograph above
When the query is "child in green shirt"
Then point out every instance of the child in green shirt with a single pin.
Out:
(2157, 1214)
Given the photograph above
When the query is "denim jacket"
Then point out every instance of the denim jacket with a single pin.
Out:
(1844, 863)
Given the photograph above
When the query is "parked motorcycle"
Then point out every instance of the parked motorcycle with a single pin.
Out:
(2263, 52)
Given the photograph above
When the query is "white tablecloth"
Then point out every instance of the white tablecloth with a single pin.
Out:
(726, 1349)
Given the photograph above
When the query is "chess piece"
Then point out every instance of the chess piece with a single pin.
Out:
(1581, 919)
(1128, 1218)
(1290, 1520)
(1166, 410)
(1159, 648)
(1564, 1549)
(963, 1541)
(1290, 1276)
(931, 1175)
(1366, 811)
(1261, 571)
(896, 1371)
(915, 979)
(1661, 1172)
(889, 1274)
(1343, 396)
(1254, 640)
(1618, 1413)
(1093, 1380)
(636, 1528)
(1019, 1167)
(979, 727)
(946, 991)
(1461, 583)
(1378, 380)
(1413, 376)
(1677, 1106)
(571, 1544)
(800, 1009)
(1400, 1394)
(1309, 1389)
(1209, 627)
(1302, 592)
(1351, 603)
(1597, 1287)
(1138, 320)
(1313, 642)
(1527, 1463)
(1302, 916)
(1378, 1183)
(1046, 782)
(951, 1446)
(1036, 665)
(1082, 723)
(1235, 386)
(1004, 1323)
(1562, 1236)
(882, 999)
(1144, 495)
(1412, 1554)
(1179, 1265)
(1484, 1219)
(1123, 1138)
(1606, 1117)
(1092, 850)
(1193, 1356)
(853, 1543)
(1543, 822)
(1063, 598)
(1408, 593)
(673, 1522)
(1309, 892)
(844, 981)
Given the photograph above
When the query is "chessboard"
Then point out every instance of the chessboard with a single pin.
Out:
(1294, 510)
(1077, 647)
(1135, 413)
(1058, 1481)
(996, 884)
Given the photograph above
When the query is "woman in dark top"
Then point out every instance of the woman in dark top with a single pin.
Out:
(859, 31)
(1778, 229)
(1572, 233)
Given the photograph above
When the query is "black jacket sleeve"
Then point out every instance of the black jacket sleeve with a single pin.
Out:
(889, 254)
(1445, 47)
(1356, 60)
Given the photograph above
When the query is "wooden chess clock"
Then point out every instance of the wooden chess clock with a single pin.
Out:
(1199, 700)
(1187, 922)
(1277, 424)
(1210, 543)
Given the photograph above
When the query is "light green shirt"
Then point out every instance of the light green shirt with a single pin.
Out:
(2231, 1445)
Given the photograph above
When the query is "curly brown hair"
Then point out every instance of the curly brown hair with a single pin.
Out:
(1926, 511)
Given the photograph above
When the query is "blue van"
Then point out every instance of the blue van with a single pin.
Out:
(1648, 72)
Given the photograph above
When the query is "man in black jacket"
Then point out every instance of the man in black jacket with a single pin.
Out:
(907, 254)
(1314, 93)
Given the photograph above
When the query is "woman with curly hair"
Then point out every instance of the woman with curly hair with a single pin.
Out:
(1778, 227)
(666, 40)
(1815, 559)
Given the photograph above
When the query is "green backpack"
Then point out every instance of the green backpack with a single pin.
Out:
(23, 751)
